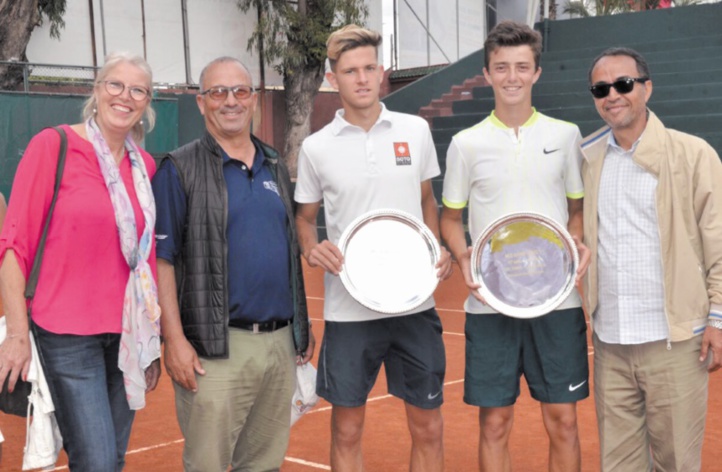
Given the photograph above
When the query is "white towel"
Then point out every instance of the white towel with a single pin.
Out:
(42, 439)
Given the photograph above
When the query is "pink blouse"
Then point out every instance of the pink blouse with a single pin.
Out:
(84, 274)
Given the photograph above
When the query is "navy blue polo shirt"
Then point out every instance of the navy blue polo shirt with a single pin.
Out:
(258, 249)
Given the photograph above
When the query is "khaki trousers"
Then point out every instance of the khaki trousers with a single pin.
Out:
(651, 405)
(241, 414)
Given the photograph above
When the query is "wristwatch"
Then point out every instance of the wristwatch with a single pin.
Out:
(717, 324)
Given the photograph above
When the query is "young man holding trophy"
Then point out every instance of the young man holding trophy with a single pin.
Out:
(518, 160)
(369, 158)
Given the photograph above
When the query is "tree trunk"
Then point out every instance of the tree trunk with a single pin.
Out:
(301, 87)
(18, 18)
(552, 9)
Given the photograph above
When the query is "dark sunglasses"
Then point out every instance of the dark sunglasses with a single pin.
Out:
(241, 92)
(623, 86)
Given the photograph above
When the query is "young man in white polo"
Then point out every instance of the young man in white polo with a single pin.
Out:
(370, 158)
(518, 160)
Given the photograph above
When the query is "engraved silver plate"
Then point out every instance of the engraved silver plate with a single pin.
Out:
(525, 263)
(390, 261)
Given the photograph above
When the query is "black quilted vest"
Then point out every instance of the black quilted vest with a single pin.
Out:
(201, 274)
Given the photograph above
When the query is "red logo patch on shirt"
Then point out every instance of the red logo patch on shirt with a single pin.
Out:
(403, 154)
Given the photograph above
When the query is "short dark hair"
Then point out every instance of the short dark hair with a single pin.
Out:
(511, 33)
(642, 66)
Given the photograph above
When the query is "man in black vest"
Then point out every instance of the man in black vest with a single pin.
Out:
(230, 284)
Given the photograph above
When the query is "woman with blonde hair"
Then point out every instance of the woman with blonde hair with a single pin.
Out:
(95, 314)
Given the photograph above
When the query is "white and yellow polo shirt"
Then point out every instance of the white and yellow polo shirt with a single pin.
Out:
(497, 172)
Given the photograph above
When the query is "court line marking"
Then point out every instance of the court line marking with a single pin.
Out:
(451, 333)
(139, 450)
(315, 465)
(150, 448)
(453, 310)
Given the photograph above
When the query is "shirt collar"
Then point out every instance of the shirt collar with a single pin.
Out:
(612, 144)
(339, 123)
(258, 160)
(499, 124)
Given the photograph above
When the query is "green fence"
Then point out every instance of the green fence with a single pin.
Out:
(23, 115)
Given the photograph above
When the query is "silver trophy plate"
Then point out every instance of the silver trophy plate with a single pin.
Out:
(525, 263)
(390, 261)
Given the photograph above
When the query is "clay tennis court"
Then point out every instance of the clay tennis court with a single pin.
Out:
(156, 442)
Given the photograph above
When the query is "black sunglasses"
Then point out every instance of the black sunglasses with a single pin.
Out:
(623, 86)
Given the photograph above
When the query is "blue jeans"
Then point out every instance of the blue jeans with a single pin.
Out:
(90, 404)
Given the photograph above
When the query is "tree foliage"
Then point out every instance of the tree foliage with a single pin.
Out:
(18, 19)
(291, 36)
(552, 9)
(53, 10)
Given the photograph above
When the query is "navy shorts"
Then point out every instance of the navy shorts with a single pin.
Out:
(409, 346)
(550, 351)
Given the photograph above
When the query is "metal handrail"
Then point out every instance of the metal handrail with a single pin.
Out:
(57, 66)
(28, 67)
(58, 78)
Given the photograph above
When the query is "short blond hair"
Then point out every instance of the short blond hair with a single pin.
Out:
(347, 38)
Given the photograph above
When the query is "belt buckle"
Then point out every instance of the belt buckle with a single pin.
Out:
(256, 328)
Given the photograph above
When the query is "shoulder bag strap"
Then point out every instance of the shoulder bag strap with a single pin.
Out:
(35, 273)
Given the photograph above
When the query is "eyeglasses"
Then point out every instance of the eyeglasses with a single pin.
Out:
(241, 92)
(115, 88)
(623, 86)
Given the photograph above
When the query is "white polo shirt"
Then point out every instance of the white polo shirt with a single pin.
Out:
(498, 172)
(354, 172)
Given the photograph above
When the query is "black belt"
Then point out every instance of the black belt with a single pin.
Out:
(259, 327)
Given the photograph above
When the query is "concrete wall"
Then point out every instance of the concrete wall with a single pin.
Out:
(434, 32)
(215, 28)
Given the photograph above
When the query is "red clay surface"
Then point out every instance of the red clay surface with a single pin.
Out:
(156, 442)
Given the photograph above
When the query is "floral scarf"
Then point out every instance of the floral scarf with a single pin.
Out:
(140, 338)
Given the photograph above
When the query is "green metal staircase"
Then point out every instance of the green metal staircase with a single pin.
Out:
(687, 92)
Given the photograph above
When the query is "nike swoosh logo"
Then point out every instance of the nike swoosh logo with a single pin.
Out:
(161, 236)
(549, 152)
(431, 397)
(574, 387)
